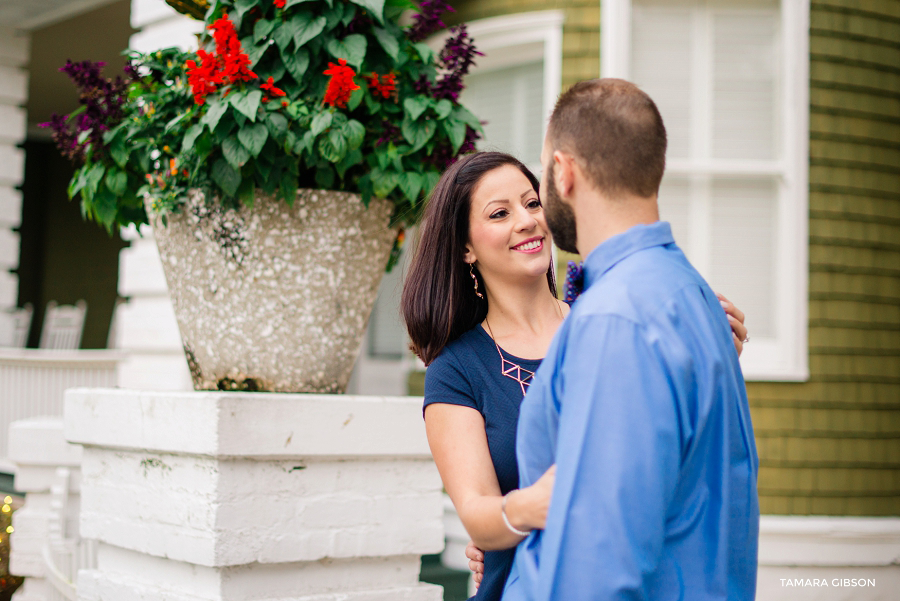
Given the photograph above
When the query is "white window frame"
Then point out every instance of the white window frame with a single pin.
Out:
(785, 357)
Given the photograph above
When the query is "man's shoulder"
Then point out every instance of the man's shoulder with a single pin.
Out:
(637, 286)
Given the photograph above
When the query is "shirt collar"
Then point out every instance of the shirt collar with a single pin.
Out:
(613, 250)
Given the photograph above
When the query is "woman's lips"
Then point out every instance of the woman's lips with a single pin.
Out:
(532, 245)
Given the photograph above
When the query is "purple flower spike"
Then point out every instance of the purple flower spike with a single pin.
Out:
(428, 20)
(103, 100)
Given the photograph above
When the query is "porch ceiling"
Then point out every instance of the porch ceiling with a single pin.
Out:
(34, 14)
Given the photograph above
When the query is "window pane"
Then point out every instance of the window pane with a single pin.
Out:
(744, 89)
(387, 336)
(661, 66)
(511, 101)
(674, 207)
(744, 225)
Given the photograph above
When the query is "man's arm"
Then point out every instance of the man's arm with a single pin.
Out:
(618, 460)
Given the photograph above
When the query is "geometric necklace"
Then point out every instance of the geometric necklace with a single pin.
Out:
(512, 370)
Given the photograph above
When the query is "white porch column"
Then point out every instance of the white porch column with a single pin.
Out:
(37, 448)
(290, 497)
(14, 51)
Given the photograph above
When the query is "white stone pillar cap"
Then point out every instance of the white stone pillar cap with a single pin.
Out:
(239, 424)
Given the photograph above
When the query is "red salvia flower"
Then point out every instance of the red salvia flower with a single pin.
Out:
(385, 87)
(341, 84)
(279, 3)
(269, 87)
(228, 65)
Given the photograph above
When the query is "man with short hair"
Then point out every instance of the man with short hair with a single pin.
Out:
(640, 401)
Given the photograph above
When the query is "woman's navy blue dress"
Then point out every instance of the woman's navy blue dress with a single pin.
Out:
(467, 373)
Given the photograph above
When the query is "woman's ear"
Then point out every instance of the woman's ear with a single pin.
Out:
(469, 256)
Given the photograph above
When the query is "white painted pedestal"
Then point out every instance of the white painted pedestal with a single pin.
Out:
(250, 496)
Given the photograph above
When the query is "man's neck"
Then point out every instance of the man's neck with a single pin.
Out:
(597, 218)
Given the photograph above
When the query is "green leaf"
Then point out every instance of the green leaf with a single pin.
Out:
(352, 48)
(291, 3)
(283, 37)
(306, 27)
(388, 42)
(443, 108)
(214, 114)
(333, 147)
(305, 143)
(415, 106)
(333, 16)
(117, 182)
(355, 132)
(278, 126)
(296, 63)
(190, 136)
(256, 52)
(253, 137)
(261, 29)
(374, 7)
(93, 177)
(430, 180)
(354, 157)
(119, 152)
(325, 178)
(349, 13)
(246, 103)
(243, 6)
(105, 206)
(226, 177)
(234, 152)
(356, 97)
(417, 133)
(425, 52)
(246, 192)
(466, 116)
(321, 122)
(383, 182)
(456, 131)
(411, 184)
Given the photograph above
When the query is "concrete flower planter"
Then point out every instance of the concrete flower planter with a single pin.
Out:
(273, 297)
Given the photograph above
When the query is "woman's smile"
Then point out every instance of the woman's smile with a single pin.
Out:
(532, 245)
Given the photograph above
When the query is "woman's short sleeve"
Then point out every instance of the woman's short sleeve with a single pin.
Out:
(446, 381)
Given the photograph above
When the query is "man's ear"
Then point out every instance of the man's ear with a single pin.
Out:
(564, 173)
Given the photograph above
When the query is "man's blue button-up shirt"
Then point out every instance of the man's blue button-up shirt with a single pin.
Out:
(641, 404)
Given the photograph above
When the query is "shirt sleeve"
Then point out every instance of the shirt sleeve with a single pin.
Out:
(446, 381)
(617, 458)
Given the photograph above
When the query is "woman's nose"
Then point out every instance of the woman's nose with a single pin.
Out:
(525, 221)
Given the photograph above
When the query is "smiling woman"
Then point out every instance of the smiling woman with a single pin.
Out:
(483, 258)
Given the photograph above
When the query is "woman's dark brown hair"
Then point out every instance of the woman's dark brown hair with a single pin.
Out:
(438, 302)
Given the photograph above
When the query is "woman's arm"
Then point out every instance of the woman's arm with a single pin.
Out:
(459, 446)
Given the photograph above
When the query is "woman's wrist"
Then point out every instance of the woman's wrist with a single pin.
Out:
(513, 512)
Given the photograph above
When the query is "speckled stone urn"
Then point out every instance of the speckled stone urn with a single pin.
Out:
(272, 297)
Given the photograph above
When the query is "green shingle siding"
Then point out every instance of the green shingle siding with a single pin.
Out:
(832, 445)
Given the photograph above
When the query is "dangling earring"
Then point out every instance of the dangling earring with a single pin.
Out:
(475, 279)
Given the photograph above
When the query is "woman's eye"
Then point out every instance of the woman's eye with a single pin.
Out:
(534, 204)
(499, 214)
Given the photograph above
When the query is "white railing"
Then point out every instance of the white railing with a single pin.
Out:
(63, 553)
(32, 382)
